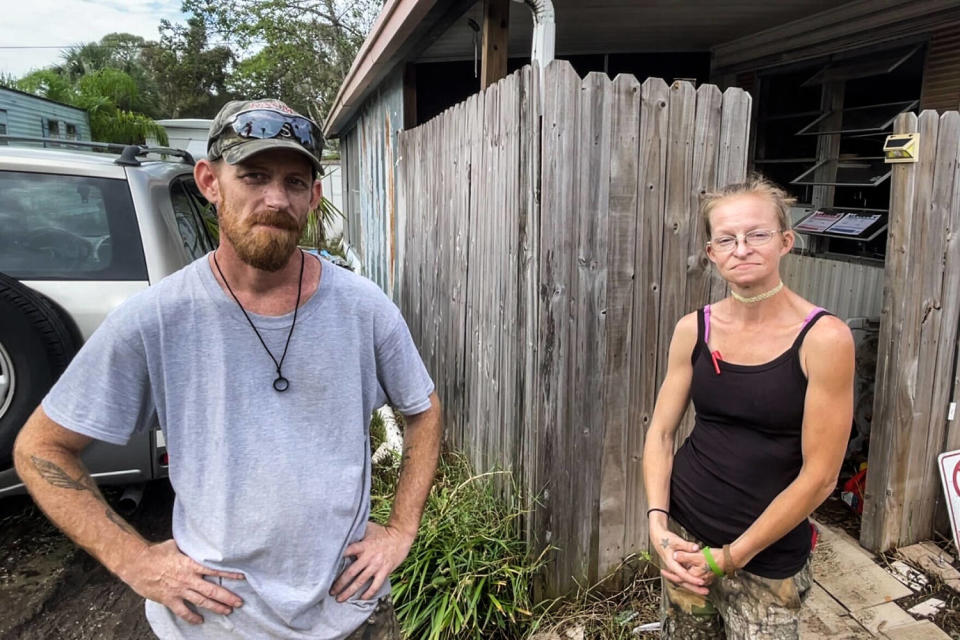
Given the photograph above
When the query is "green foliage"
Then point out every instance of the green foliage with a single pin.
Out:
(300, 51)
(191, 77)
(117, 125)
(47, 83)
(378, 431)
(324, 215)
(305, 48)
(115, 52)
(469, 573)
(107, 86)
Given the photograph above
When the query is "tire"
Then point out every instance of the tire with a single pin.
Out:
(36, 344)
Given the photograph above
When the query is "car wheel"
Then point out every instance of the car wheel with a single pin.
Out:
(36, 344)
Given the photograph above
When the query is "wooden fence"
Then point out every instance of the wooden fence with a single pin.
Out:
(544, 256)
(917, 358)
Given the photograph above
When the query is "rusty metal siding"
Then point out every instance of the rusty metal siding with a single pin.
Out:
(847, 289)
(941, 73)
(370, 157)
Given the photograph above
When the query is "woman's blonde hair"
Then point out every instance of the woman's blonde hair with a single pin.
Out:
(755, 185)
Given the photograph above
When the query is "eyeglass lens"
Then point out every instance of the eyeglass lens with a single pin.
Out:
(752, 239)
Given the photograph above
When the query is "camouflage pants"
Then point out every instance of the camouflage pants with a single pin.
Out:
(740, 607)
(381, 625)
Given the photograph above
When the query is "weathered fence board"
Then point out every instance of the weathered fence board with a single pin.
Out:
(557, 304)
(538, 249)
(615, 503)
(918, 335)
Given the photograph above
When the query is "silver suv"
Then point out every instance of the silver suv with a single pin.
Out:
(80, 232)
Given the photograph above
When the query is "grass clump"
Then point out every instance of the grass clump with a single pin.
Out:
(469, 573)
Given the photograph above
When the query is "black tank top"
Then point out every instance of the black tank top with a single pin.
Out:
(744, 450)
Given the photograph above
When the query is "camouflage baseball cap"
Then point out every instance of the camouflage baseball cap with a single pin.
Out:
(247, 127)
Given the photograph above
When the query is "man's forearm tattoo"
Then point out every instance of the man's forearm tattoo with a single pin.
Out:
(56, 476)
(59, 478)
(120, 522)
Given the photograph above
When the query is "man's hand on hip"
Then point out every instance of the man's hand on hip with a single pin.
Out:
(376, 556)
(162, 573)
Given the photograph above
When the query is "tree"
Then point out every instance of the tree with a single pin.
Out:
(119, 51)
(47, 83)
(106, 95)
(306, 46)
(191, 78)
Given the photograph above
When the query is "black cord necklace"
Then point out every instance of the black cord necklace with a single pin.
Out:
(281, 383)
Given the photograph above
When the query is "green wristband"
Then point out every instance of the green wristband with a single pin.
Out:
(711, 562)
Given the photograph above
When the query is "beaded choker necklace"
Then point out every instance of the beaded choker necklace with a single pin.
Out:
(759, 296)
(280, 384)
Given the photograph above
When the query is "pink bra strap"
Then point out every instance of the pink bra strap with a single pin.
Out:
(706, 324)
(706, 320)
(810, 316)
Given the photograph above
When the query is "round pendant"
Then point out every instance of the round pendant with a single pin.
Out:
(281, 384)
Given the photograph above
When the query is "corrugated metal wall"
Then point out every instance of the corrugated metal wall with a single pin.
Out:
(369, 156)
(847, 289)
(941, 75)
(27, 115)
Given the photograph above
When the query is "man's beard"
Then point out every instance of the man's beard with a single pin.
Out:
(265, 249)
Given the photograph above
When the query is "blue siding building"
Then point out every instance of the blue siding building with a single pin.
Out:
(23, 114)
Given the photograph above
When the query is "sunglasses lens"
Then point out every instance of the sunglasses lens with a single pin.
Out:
(265, 124)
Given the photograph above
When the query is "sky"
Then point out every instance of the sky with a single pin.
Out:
(62, 23)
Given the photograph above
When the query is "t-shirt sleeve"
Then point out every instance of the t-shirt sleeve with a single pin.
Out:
(401, 371)
(105, 391)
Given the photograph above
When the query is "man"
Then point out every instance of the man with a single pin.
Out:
(262, 365)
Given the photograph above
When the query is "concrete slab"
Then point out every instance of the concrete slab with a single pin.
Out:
(934, 561)
(848, 572)
(863, 587)
(837, 552)
(883, 617)
(822, 617)
(925, 630)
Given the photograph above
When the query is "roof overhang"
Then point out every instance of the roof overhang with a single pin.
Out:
(397, 22)
(739, 32)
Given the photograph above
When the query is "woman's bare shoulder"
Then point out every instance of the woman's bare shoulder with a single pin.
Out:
(685, 332)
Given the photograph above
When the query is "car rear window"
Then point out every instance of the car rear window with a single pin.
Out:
(56, 227)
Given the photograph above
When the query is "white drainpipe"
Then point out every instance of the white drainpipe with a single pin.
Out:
(544, 35)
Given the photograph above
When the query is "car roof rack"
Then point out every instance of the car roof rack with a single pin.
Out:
(129, 153)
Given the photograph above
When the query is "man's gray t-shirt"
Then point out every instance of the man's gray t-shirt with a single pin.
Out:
(272, 485)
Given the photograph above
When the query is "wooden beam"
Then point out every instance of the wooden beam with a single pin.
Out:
(410, 96)
(847, 26)
(828, 146)
(496, 20)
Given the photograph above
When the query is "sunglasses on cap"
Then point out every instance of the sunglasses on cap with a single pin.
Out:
(264, 124)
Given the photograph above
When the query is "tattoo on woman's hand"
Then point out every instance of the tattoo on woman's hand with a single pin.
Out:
(665, 542)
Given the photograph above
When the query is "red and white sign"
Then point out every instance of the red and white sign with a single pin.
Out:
(949, 464)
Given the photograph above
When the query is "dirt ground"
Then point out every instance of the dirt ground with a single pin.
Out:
(51, 589)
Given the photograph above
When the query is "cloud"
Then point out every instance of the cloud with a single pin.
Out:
(70, 22)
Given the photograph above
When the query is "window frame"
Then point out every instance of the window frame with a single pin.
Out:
(127, 264)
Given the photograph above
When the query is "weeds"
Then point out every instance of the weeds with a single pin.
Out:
(469, 573)
(602, 613)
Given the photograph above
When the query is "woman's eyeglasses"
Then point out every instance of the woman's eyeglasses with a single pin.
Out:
(755, 238)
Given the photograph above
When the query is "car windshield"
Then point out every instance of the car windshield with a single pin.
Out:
(68, 227)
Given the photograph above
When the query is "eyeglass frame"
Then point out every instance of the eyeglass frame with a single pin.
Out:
(742, 237)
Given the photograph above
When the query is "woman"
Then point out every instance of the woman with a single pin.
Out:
(771, 379)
